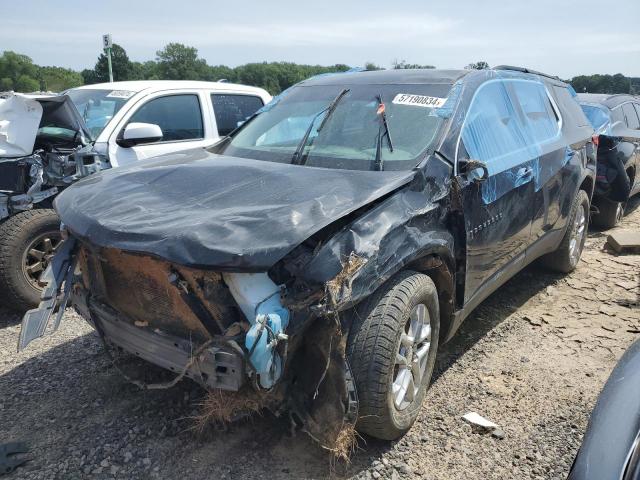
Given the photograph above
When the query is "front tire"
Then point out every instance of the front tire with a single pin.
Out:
(392, 350)
(28, 241)
(566, 257)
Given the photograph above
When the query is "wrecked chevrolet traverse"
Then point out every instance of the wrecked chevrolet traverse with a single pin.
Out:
(316, 257)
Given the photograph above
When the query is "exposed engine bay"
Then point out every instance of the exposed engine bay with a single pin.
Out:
(39, 138)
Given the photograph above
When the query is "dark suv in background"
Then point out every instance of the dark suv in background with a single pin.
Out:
(320, 253)
(616, 119)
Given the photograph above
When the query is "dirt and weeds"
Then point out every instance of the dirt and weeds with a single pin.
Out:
(532, 358)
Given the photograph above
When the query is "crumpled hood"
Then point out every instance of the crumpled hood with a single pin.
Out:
(19, 120)
(21, 116)
(204, 210)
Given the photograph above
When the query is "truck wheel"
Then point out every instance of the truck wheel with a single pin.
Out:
(28, 241)
(566, 257)
(609, 215)
(392, 350)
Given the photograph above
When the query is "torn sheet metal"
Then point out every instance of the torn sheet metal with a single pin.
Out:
(204, 210)
(19, 120)
(407, 226)
(38, 137)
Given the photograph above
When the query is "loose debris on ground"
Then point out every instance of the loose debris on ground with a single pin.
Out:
(532, 359)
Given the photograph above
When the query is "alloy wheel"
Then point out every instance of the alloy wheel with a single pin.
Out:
(411, 358)
(578, 232)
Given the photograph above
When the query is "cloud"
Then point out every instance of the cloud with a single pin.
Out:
(330, 33)
(366, 31)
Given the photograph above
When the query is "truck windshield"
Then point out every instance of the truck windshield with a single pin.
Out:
(98, 106)
(353, 134)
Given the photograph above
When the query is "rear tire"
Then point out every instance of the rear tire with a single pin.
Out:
(393, 343)
(23, 239)
(566, 257)
(609, 214)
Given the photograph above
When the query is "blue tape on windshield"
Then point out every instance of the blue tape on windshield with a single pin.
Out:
(446, 110)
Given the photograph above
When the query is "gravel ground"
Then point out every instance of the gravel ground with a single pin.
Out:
(532, 358)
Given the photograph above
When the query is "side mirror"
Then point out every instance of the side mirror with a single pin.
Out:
(137, 133)
(475, 170)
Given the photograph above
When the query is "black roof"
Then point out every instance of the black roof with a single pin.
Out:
(408, 76)
(607, 99)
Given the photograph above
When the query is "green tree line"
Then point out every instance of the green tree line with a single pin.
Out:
(181, 62)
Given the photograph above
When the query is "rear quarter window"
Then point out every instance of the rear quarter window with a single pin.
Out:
(569, 107)
(637, 107)
(631, 116)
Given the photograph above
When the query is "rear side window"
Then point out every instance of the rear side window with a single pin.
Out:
(632, 118)
(232, 110)
(493, 132)
(179, 117)
(570, 107)
(540, 119)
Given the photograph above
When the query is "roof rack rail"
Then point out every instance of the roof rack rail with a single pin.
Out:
(526, 70)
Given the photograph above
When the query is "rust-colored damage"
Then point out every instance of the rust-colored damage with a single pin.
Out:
(144, 290)
(140, 288)
(339, 287)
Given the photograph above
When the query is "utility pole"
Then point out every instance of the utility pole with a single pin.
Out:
(107, 44)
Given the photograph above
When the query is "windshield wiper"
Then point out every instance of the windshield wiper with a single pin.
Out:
(329, 109)
(379, 162)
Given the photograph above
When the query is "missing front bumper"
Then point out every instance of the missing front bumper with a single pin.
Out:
(217, 366)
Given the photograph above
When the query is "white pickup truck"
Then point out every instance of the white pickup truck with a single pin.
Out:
(46, 143)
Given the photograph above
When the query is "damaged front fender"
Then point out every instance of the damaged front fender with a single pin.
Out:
(400, 230)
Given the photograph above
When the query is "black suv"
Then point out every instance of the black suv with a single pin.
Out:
(616, 118)
(320, 253)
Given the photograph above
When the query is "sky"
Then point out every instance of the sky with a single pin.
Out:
(561, 37)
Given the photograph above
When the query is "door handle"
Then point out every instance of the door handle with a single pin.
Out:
(524, 172)
(524, 175)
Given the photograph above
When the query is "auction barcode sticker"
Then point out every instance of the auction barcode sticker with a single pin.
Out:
(419, 100)
(120, 94)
